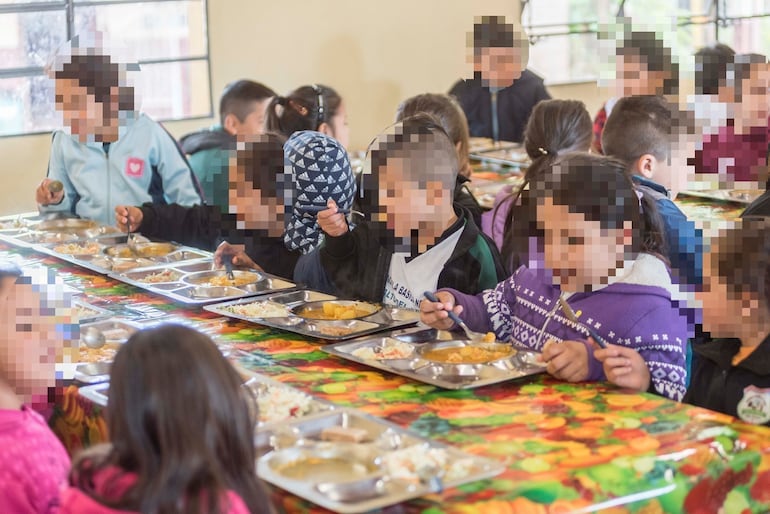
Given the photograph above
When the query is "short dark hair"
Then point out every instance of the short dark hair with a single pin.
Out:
(99, 75)
(638, 125)
(743, 258)
(239, 97)
(448, 112)
(741, 69)
(494, 32)
(711, 68)
(656, 56)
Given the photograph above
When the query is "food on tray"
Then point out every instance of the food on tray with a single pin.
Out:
(489, 337)
(333, 331)
(264, 309)
(339, 311)
(89, 248)
(327, 469)
(83, 312)
(391, 349)
(345, 434)
(276, 403)
(236, 281)
(11, 224)
(158, 277)
(470, 354)
(104, 354)
(409, 463)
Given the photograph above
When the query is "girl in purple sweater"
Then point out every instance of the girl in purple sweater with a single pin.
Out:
(602, 244)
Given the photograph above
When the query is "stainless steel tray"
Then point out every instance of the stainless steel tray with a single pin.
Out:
(512, 155)
(29, 229)
(741, 196)
(99, 371)
(386, 319)
(449, 376)
(179, 288)
(97, 393)
(87, 313)
(96, 260)
(388, 485)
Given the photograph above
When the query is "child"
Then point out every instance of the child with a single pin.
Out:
(712, 95)
(449, 113)
(114, 155)
(261, 212)
(241, 113)
(412, 237)
(602, 253)
(738, 150)
(555, 127)
(181, 430)
(313, 107)
(644, 67)
(33, 463)
(732, 374)
(501, 95)
(643, 132)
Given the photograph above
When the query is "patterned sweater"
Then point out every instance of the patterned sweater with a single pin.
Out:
(635, 311)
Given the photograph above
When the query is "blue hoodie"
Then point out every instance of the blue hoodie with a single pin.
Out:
(143, 165)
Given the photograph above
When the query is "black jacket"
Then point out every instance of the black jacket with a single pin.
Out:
(718, 385)
(357, 263)
(464, 197)
(204, 226)
(514, 105)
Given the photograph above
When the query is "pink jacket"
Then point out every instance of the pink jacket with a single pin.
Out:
(33, 464)
(75, 501)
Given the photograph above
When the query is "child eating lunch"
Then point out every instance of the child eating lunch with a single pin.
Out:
(414, 237)
(602, 246)
(113, 155)
(731, 374)
(181, 434)
(33, 462)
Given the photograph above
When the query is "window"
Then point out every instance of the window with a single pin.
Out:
(168, 38)
(566, 47)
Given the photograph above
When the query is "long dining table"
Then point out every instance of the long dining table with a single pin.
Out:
(566, 447)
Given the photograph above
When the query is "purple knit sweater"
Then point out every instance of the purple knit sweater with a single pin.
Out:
(636, 311)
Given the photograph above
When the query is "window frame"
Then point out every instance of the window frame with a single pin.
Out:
(68, 6)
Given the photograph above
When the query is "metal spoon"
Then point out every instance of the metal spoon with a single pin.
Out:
(573, 318)
(93, 337)
(473, 336)
(228, 263)
(55, 186)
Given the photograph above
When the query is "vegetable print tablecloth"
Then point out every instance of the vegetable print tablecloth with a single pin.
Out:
(567, 447)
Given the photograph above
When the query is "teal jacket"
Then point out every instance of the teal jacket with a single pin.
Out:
(209, 154)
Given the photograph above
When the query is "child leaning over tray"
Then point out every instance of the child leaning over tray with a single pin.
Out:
(602, 250)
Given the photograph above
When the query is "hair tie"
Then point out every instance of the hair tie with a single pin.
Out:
(281, 100)
(542, 150)
(297, 107)
(639, 196)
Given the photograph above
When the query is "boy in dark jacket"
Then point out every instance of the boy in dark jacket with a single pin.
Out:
(732, 374)
(241, 113)
(643, 132)
(501, 95)
(414, 238)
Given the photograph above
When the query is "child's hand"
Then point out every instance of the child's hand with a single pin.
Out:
(236, 254)
(125, 215)
(331, 221)
(44, 195)
(567, 360)
(434, 314)
(624, 367)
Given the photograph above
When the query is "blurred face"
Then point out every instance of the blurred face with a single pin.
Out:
(29, 342)
(499, 67)
(253, 124)
(753, 107)
(633, 77)
(723, 314)
(252, 211)
(580, 253)
(80, 110)
(339, 126)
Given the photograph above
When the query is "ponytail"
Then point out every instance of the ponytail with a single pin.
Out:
(306, 108)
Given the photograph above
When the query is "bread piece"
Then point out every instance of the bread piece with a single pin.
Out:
(346, 434)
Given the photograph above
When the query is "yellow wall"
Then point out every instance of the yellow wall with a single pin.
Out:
(374, 57)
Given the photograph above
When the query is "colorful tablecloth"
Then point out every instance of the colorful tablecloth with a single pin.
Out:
(567, 447)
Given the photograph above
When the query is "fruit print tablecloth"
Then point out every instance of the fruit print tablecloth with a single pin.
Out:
(567, 447)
